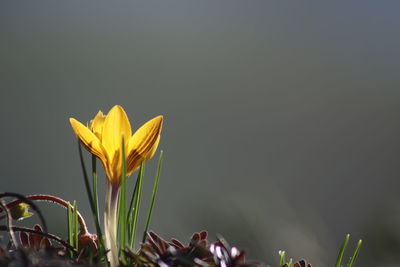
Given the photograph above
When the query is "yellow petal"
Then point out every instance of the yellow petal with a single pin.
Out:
(136, 159)
(96, 125)
(114, 169)
(116, 125)
(88, 139)
(143, 144)
(153, 150)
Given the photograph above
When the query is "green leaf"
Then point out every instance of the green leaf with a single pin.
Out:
(153, 196)
(94, 187)
(129, 218)
(20, 211)
(341, 252)
(92, 201)
(355, 254)
(76, 225)
(122, 206)
(134, 211)
(281, 258)
(86, 179)
(70, 228)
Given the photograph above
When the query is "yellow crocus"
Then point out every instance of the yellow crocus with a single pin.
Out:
(104, 138)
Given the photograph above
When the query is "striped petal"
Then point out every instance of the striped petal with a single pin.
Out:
(153, 150)
(88, 139)
(143, 144)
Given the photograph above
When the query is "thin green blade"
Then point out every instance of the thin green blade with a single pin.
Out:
(138, 197)
(153, 196)
(122, 205)
(355, 254)
(341, 252)
(281, 258)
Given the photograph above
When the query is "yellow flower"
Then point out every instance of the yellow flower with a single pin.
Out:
(103, 138)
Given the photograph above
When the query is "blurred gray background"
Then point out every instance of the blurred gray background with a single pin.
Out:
(282, 126)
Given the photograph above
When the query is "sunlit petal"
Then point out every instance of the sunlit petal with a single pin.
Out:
(143, 144)
(116, 125)
(115, 169)
(88, 139)
(153, 150)
(96, 125)
(135, 160)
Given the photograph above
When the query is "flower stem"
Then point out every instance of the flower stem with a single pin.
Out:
(94, 185)
(110, 222)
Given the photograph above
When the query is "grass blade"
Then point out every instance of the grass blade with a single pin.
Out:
(76, 225)
(131, 207)
(137, 197)
(92, 203)
(94, 187)
(122, 206)
(341, 252)
(282, 258)
(355, 254)
(86, 179)
(70, 227)
(153, 196)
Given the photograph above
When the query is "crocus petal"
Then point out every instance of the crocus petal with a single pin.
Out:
(116, 125)
(153, 150)
(88, 139)
(96, 125)
(136, 161)
(115, 168)
(143, 144)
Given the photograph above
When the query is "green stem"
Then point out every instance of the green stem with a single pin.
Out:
(342, 250)
(153, 197)
(94, 185)
(110, 223)
(91, 200)
(355, 254)
(122, 206)
(135, 209)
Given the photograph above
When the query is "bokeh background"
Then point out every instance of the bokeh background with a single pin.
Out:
(282, 126)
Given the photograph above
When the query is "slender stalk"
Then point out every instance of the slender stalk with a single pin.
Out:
(94, 185)
(110, 222)
(355, 254)
(131, 207)
(136, 207)
(153, 196)
(95, 212)
(122, 206)
(282, 258)
(91, 201)
(75, 221)
(70, 229)
(341, 252)
(86, 179)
